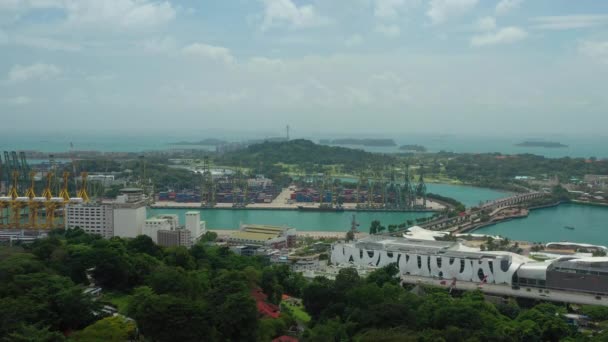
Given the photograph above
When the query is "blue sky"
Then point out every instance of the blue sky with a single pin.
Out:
(373, 66)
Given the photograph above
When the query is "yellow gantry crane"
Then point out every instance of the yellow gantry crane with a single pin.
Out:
(49, 206)
(16, 204)
(33, 204)
(82, 193)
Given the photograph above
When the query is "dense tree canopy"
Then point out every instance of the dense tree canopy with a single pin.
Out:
(205, 293)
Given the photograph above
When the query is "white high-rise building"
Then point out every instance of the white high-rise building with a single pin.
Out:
(124, 217)
(194, 224)
(92, 218)
(129, 213)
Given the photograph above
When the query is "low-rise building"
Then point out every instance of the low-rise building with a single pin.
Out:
(160, 222)
(173, 238)
(264, 235)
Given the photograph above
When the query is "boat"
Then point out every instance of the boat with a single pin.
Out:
(322, 208)
(569, 227)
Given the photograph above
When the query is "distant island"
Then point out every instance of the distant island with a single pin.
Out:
(546, 144)
(360, 142)
(412, 148)
(207, 142)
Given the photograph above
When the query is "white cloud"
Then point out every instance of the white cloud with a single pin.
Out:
(41, 71)
(388, 30)
(123, 14)
(505, 6)
(595, 49)
(389, 9)
(16, 101)
(505, 35)
(287, 13)
(158, 45)
(566, 22)
(486, 24)
(36, 42)
(107, 14)
(353, 40)
(440, 10)
(212, 52)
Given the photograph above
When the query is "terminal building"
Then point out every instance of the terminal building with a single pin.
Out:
(453, 261)
(264, 235)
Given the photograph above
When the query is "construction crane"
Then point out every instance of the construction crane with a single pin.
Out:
(82, 193)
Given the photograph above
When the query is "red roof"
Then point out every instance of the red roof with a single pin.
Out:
(268, 309)
(285, 338)
(265, 308)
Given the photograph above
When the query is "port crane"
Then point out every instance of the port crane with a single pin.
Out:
(21, 207)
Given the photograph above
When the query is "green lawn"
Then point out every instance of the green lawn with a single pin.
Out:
(297, 311)
(120, 300)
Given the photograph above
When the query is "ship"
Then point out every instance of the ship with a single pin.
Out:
(322, 207)
(569, 227)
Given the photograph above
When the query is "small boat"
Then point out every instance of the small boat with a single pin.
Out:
(569, 227)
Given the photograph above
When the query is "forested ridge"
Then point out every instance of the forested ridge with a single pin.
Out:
(205, 294)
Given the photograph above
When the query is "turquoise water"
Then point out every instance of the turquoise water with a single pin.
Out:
(311, 221)
(547, 225)
(470, 196)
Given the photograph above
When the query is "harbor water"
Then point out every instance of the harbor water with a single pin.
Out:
(549, 225)
(301, 220)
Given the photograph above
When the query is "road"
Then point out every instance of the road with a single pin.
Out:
(505, 290)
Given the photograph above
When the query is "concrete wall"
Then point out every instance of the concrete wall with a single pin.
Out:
(129, 222)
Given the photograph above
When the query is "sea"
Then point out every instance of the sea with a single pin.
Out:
(580, 146)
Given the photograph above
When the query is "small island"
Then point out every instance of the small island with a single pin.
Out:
(412, 148)
(545, 144)
(359, 142)
(205, 142)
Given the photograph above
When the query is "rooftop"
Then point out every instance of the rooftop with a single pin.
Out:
(124, 190)
(253, 236)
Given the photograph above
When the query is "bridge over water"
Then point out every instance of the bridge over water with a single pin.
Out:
(444, 223)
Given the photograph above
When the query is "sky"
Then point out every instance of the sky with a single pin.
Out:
(495, 67)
